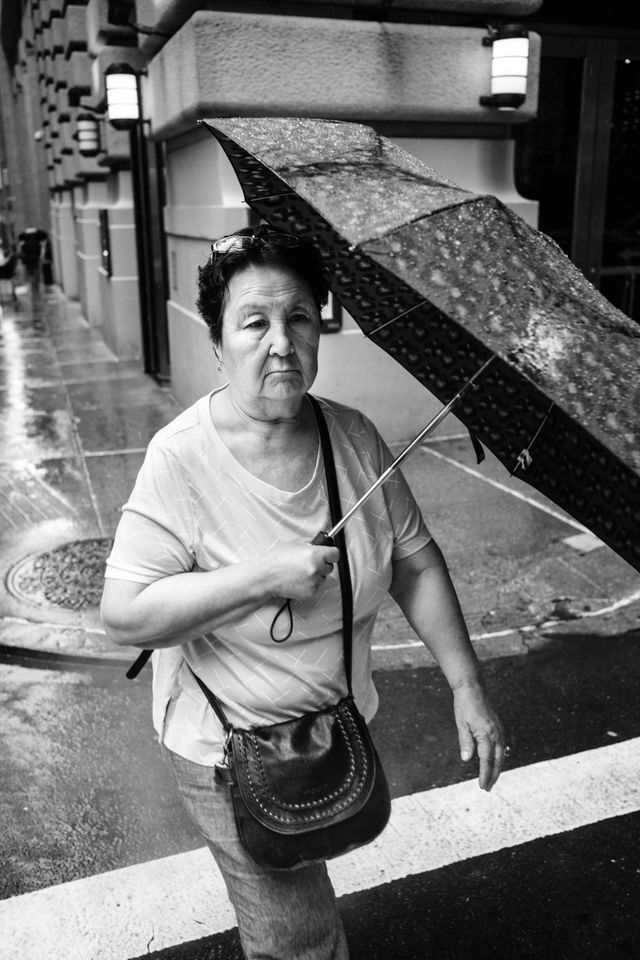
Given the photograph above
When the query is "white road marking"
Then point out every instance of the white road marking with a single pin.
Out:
(24, 621)
(525, 628)
(129, 912)
(584, 542)
(115, 453)
(564, 518)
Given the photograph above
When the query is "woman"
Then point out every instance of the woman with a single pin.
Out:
(217, 531)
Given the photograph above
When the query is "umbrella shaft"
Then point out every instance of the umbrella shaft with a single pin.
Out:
(430, 427)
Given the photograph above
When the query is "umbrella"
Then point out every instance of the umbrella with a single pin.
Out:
(451, 283)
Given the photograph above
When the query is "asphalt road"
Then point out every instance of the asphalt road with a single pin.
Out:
(85, 792)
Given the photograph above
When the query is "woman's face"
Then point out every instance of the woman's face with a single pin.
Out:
(270, 337)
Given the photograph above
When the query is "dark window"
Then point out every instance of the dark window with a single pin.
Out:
(620, 271)
(547, 148)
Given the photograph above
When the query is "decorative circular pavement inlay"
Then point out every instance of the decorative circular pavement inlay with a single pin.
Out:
(69, 576)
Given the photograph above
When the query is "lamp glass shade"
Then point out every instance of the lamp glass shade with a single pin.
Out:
(510, 47)
(88, 136)
(510, 65)
(123, 104)
(508, 85)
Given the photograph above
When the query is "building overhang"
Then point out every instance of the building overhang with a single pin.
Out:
(228, 64)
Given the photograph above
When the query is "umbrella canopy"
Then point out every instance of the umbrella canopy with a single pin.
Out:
(443, 280)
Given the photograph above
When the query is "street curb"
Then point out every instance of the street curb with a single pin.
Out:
(510, 641)
(47, 656)
(25, 637)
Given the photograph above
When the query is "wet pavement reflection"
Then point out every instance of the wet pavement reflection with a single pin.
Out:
(35, 421)
(74, 423)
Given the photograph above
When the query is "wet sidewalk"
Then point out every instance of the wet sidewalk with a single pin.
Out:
(74, 426)
(73, 429)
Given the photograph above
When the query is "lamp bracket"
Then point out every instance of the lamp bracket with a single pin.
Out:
(149, 31)
(120, 13)
(492, 33)
(503, 30)
(503, 101)
(100, 114)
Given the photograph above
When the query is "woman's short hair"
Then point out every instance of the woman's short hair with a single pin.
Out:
(264, 246)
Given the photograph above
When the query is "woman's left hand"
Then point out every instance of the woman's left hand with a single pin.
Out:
(479, 727)
(423, 590)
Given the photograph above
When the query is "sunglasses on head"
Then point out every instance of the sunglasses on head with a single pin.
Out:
(240, 242)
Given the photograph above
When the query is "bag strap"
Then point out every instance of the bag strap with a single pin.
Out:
(343, 565)
(335, 511)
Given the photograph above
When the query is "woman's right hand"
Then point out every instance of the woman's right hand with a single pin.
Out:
(180, 607)
(296, 569)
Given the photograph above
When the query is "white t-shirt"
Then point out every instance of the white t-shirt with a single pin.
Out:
(194, 507)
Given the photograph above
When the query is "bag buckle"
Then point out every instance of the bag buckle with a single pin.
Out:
(223, 767)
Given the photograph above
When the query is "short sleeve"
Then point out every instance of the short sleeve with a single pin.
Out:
(410, 532)
(154, 538)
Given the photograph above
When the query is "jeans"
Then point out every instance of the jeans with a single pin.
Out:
(33, 275)
(281, 914)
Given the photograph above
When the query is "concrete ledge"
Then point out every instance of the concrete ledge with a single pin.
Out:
(168, 16)
(227, 64)
(75, 30)
(78, 73)
(57, 35)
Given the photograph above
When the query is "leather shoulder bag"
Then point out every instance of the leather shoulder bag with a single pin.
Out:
(313, 787)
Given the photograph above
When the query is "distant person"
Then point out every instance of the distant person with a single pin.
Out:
(31, 250)
(47, 264)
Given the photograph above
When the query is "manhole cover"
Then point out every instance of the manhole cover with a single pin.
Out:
(70, 576)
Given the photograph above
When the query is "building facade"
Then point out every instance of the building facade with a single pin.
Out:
(132, 220)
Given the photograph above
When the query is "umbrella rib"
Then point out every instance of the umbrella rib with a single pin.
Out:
(430, 427)
(397, 317)
(270, 196)
(423, 216)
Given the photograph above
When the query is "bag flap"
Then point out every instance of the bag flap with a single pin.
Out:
(302, 773)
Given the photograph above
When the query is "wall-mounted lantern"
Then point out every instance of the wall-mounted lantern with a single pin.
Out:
(87, 135)
(509, 67)
(123, 96)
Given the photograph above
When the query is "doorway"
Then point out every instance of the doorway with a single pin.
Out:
(580, 159)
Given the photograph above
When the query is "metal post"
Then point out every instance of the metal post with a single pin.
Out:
(150, 251)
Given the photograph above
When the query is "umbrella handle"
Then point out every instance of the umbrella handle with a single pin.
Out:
(321, 539)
